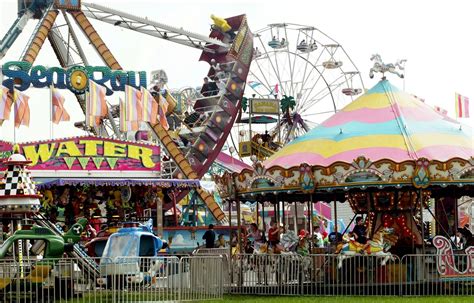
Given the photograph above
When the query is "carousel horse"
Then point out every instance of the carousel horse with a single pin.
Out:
(374, 247)
(380, 67)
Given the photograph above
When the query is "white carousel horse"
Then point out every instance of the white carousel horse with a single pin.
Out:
(380, 67)
(374, 247)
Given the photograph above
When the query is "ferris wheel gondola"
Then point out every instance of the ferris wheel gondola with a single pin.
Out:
(305, 47)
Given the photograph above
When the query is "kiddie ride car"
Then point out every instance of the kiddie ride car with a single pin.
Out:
(131, 256)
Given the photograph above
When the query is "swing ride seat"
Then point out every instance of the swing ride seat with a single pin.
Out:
(207, 104)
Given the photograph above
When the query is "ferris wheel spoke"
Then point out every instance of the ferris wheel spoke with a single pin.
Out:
(257, 92)
(329, 85)
(305, 80)
(307, 58)
(267, 86)
(279, 77)
(277, 71)
(306, 95)
(315, 65)
(314, 99)
(294, 65)
(318, 113)
(308, 101)
(291, 91)
(271, 63)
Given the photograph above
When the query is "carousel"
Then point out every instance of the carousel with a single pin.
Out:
(387, 154)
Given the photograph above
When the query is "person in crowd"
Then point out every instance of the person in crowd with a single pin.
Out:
(209, 236)
(457, 240)
(318, 237)
(274, 234)
(221, 87)
(467, 235)
(266, 138)
(288, 239)
(255, 234)
(359, 231)
(209, 88)
(220, 241)
(302, 248)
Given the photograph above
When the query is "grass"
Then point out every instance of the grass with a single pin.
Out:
(312, 299)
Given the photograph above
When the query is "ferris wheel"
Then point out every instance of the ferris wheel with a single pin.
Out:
(311, 74)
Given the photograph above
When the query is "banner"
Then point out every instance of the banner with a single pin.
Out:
(88, 153)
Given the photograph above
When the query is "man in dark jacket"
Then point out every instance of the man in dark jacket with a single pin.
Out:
(360, 231)
(209, 236)
(209, 88)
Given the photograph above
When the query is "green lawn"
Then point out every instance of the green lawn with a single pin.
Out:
(312, 299)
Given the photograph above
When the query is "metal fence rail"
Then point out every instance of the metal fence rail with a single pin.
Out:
(153, 279)
(362, 275)
(206, 276)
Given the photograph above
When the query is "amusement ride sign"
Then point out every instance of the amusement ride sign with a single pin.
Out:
(265, 106)
(88, 153)
(22, 75)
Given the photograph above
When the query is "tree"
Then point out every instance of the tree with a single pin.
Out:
(287, 103)
(244, 104)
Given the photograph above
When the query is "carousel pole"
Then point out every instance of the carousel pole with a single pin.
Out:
(239, 225)
(411, 228)
(275, 209)
(159, 217)
(230, 241)
(335, 217)
(310, 209)
(283, 215)
(257, 216)
(175, 211)
(295, 218)
(420, 198)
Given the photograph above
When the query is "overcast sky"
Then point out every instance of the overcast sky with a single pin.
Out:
(436, 38)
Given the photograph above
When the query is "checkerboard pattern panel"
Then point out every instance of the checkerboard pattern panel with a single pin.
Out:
(16, 181)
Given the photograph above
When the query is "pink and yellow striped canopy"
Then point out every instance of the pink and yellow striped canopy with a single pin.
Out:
(384, 123)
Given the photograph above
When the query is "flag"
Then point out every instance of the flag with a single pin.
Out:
(254, 84)
(5, 104)
(462, 106)
(133, 104)
(96, 105)
(126, 125)
(150, 106)
(441, 110)
(274, 90)
(162, 109)
(59, 112)
(22, 109)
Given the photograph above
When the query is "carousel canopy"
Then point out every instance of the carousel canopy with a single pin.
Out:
(384, 123)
